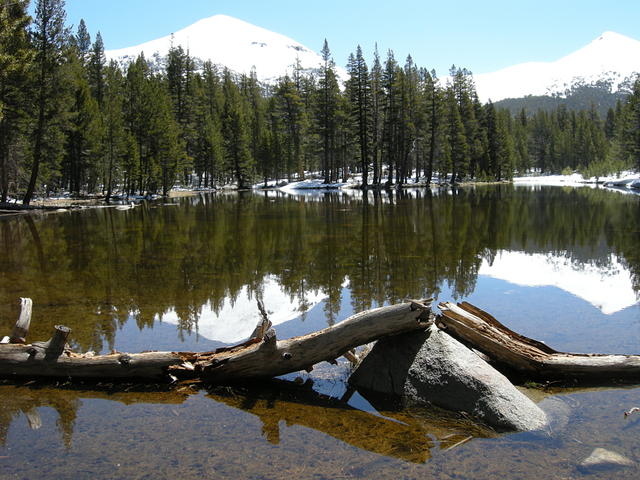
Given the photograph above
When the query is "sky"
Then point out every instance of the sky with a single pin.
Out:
(480, 35)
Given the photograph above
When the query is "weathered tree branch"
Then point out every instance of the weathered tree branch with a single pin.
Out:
(479, 329)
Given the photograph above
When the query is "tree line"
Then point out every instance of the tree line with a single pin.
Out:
(72, 122)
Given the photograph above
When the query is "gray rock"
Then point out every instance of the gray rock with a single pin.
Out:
(601, 459)
(431, 367)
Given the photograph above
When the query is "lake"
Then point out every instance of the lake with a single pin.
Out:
(561, 265)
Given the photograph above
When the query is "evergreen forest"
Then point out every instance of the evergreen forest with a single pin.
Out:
(72, 122)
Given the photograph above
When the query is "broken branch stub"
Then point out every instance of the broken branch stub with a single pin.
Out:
(21, 328)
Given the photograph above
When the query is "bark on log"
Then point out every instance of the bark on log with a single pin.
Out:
(480, 330)
(255, 358)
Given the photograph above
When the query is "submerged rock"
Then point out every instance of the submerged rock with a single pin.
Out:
(431, 367)
(601, 459)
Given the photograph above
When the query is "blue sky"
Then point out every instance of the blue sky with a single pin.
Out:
(481, 35)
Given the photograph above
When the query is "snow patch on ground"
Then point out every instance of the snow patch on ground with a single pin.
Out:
(625, 182)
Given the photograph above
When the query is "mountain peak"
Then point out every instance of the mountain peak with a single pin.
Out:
(611, 59)
(233, 43)
(609, 36)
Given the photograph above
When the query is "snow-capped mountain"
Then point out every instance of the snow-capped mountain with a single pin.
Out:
(232, 43)
(611, 58)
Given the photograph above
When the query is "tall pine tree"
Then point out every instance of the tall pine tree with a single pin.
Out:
(16, 56)
(49, 37)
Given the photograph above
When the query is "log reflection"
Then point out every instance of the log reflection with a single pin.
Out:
(66, 402)
(410, 436)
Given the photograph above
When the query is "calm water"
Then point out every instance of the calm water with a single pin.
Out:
(560, 265)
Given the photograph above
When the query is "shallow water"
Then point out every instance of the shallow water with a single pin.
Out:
(559, 265)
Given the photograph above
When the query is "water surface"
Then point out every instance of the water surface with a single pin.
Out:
(559, 265)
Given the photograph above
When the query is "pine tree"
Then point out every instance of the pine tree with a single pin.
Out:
(541, 136)
(455, 157)
(629, 136)
(82, 41)
(493, 140)
(327, 107)
(255, 112)
(139, 112)
(49, 37)
(96, 69)
(83, 132)
(16, 56)
(235, 131)
(432, 100)
(377, 97)
(409, 120)
(210, 161)
(464, 92)
(359, 96)
(291, 124)
(521, 139)
(166, 148)
(391, 115)
(115, 139)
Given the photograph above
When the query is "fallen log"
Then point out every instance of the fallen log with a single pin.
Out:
(532, 358)
(259, 357)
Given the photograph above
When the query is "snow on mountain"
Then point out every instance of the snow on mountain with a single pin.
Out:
(610, 58)
(233, 43)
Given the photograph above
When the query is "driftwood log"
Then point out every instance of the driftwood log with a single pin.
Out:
(259, 357)
(264, 356)
(532, 358)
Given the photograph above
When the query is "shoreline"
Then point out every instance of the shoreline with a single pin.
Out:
(59, 205)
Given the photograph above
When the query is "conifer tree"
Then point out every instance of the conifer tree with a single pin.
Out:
(96, 69)
(359, 93)
(16, 56)
(82, 41)
(377, 97)
(291, 124)
(255, 111)
(166, 148)
(49, 37)
(210, 163)
(139, 112)
(456, 149)
(432, 100)
(83, 132)
(409, 120)
(236, 135)
(115, 139)
(391, 115)
(327, 107)
(629, 130)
